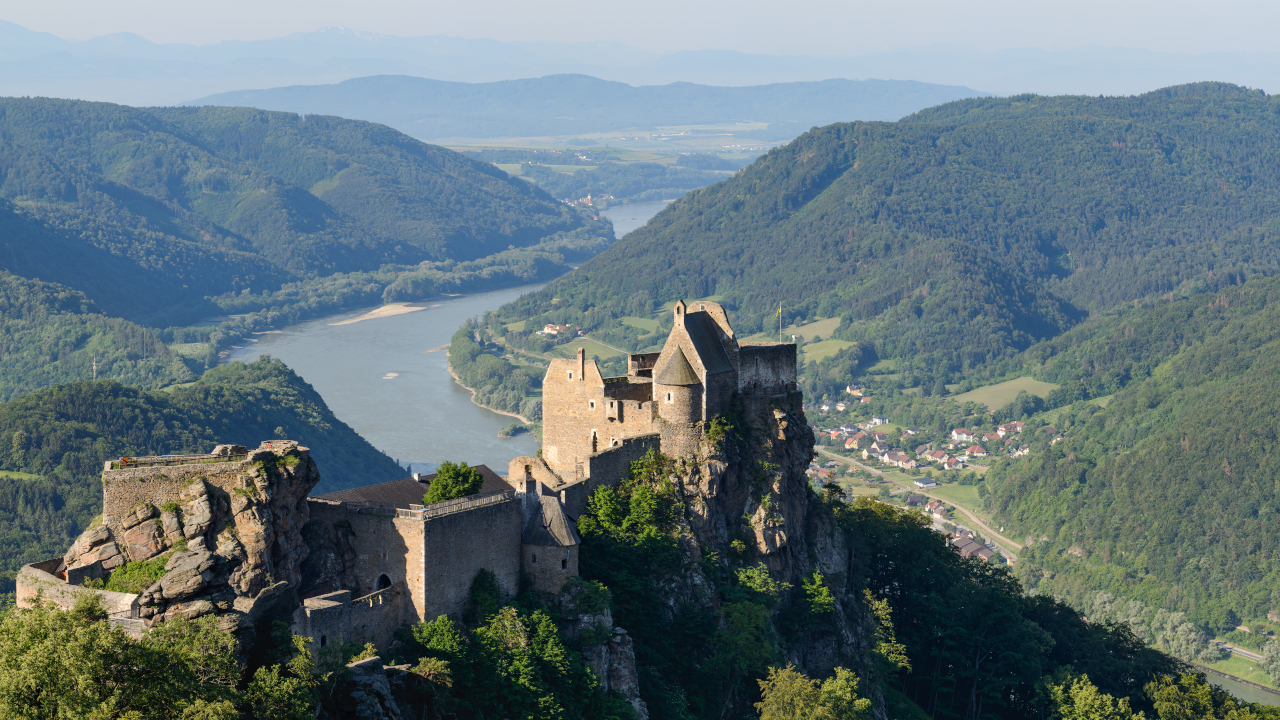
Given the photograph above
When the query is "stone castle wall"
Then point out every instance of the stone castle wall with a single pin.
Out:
(38, 583)
(336, 617)
(459, 545)
(124, 490)
(572, 408)
(767, 369)
(549, 567)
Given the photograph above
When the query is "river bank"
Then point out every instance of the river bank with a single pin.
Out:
(378, 377)
(458, 380)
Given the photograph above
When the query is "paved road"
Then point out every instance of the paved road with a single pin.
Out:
(973, 518)
(1239, 650)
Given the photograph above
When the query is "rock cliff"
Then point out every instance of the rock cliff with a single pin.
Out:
(223, 547)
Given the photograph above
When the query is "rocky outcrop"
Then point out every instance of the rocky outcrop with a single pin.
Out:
(363, 692)
(227, 537)
(751, 487)
(614, 663)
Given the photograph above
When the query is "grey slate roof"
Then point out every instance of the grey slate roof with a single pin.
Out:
(549, 527)
(408, 491)
(677, 371)
(706, 342)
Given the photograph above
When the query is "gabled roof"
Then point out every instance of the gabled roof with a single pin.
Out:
(677, 371)
(408, 491)
(549, 527)
(706, 342)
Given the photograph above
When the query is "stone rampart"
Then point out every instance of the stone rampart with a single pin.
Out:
(38, 582)
(336, 617)
(459, 545)
(606, 468)
(124, 489)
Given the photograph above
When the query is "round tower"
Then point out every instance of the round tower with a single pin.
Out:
(677, 392)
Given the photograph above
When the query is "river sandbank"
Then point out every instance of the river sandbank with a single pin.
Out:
(385, 311)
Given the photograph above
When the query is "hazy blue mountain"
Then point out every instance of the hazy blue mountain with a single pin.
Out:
(569, 104)
(129, 69)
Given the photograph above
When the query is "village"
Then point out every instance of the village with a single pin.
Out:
(905, 465)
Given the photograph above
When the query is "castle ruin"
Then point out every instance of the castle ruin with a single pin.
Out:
(242, 534)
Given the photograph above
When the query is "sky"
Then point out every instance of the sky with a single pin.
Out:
(807, 27)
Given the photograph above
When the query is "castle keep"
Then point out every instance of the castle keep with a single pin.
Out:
(244, 538)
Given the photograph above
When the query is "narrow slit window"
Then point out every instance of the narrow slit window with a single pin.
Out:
(668, 397)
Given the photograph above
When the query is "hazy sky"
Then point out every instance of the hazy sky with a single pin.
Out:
(810, 27)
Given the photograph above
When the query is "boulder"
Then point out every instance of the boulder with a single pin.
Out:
(141, 514)
(364, 693)
(144, 541)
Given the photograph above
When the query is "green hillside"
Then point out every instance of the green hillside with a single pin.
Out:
(151, 212)
(1168, 495)
(962, 234)
(61, 437)
(50, 335)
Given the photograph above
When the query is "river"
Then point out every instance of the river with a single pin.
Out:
(377, 376)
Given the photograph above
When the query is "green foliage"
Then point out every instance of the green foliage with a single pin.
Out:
(136, 575)
(64, 435)
(817, 596)
(1133, 502)
(975, 643)
(1271, 660)
(755, 584)
(1081, 700)
(513, 665)
(497, 383)
(788, 694)
(57, 664)
(452, 481)
(484, 598)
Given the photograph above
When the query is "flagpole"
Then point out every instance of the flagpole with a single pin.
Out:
(779, 322)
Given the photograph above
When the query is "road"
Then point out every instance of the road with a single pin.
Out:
(973, 518)
(1239, 650)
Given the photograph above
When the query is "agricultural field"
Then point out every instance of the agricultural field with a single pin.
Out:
(15, 475)
(649, 325)
(1001, 394)
(823, 350)
(594, 348)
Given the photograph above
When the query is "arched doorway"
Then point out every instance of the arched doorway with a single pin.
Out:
(384, 582)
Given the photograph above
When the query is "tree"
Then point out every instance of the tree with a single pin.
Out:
(453, 481)
(788, 694)
(1081, 700)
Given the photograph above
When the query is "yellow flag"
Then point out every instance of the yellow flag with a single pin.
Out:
(779, 311)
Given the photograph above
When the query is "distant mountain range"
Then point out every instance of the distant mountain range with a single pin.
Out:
(127, 68)
(571, 104)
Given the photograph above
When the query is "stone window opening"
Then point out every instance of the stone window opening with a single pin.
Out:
(324, 640)
(384, 582)
(570, 374)
(594, 442)
(668, 397)
(535, 558)
(564, 564)
(593, 404)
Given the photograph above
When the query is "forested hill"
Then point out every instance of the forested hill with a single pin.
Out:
(965, 232)
(53, 443)
(1169, 494)
(149, 212)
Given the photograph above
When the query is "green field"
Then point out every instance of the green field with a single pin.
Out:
(191, 350)
(594, 348)
(884, 366)
(966, 496)
(649, 325)
(515, 326)
(820, 328)
(1244, 668)
(1001, 394)
(823, 350)
(14, 475)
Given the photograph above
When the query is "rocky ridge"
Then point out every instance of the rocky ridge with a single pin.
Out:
(232, 553)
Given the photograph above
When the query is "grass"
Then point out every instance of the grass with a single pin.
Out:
(594, 348)
(515, 326)
(820, 328)
(884, 366)
(823, 350)
(1243, 668)
(1001, 394)
(191, 350)
(649, 325)
(966, 496)
(15, 475)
